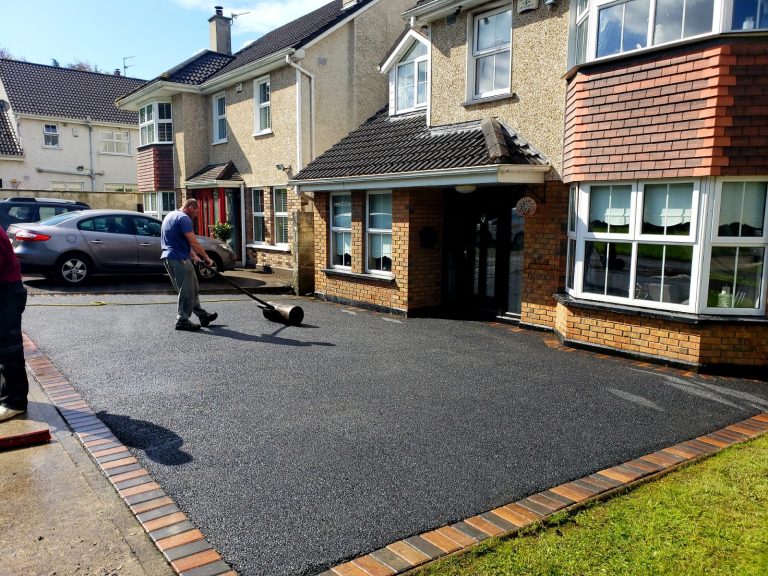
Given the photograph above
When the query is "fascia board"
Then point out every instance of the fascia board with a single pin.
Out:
(433, 11)
(212, 184)
(401, 49)
(478, 175)
(83, 121)
(248, 71)
(13, 158)
(153, 92)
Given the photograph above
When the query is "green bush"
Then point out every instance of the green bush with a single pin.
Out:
(222, 231)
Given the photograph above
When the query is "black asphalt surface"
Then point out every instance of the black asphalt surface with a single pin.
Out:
(296, 448)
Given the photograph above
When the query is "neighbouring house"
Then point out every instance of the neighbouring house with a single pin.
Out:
(231, 129)
(60, 130)
(649, 235)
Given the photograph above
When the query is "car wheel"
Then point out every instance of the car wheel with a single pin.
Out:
(207, 275)
(73, 269)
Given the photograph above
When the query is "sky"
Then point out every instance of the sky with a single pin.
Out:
(158, 34)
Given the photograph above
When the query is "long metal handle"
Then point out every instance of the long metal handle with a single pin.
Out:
(262, 304)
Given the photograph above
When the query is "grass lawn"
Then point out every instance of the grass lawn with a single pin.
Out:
(707, 519)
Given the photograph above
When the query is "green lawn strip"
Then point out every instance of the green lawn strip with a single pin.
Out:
(710, 518)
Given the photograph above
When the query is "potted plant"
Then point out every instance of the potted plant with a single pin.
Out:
(222, 231)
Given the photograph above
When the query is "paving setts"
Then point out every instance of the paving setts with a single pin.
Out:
(295, 449)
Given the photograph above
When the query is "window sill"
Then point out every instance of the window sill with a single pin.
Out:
(218, 142)
(144, 146)
(497, 98)
(358, 276)
(51, 147)
(115, 154)
(270, 248)
(262, 133)
(681, 317)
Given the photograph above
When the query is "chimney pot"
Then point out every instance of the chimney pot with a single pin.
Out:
(219, 10)
(117, 71)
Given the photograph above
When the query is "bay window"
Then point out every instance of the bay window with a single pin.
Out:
(155, 123)
(491, 55)
(341, 230)
(411, 78)
(379, 225)
(642, 244)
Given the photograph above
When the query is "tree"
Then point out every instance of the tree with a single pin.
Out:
(83, 66)
(5, 53)
(55, 63)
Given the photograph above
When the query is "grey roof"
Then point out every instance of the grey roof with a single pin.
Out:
(295, 34)
(214, 172)
(66, 93)
(9, 144)
(402, 144)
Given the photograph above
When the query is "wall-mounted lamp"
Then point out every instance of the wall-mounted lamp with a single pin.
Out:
(283, 168)
(80, 168)
(466, 188)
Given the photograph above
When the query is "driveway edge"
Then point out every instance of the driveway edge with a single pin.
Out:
(411, 554)
(180, 542)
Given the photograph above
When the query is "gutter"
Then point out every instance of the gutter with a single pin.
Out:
(299, 100)
(247, 71)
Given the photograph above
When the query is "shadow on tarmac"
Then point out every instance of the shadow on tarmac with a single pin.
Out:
(159, 444)
(222, 331)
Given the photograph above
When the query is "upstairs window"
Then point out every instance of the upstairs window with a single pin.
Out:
(262, 106)
(490, 70)
(115, 142)
(219, 118)
(155, 123)
(749, 14)
(51, 135)
(412, 79)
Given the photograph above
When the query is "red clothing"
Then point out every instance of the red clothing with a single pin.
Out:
(10, 271)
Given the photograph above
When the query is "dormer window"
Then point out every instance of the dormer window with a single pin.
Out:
(490, 69)
(412, 79)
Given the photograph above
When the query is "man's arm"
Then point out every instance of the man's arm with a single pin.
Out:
(197, 250)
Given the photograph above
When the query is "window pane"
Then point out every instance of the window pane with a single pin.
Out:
(669, 21)
(265, 118)
(164, 111)
(263, 92)
(258, 228)
(668, 209)
(151, 133)
(501, 77)
(622, 27)
(342, 249)
(281, 230)
(494, 30)
(281, 200)
(742, 209)
(222, 128)
(749, 14)
(221, 107)
(169, 201)
(581, 5)
(150, 113)
(609, 30)
(258, 200)
(416, 51)
(569, 283)
(581, 41)
(609, 209)
(664, 273)
(380, 211)
(735, 277)
(573, 195)
(698, 17)
(484, 75)
(341, 211)
(380, 252)
(606, 268)
(635, 25)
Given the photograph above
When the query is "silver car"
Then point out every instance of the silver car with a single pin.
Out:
(71, 247)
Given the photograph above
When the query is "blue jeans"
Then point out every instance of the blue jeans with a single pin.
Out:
(184, 280)
(14, 386)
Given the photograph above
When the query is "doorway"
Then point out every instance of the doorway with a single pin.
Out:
(484, 253)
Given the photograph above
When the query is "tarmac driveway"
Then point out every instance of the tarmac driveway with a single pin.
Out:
(295, 448)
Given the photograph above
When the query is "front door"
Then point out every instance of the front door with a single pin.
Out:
(484, 249)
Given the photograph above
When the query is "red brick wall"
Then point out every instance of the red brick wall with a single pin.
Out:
(545, 253)
(699, 111)
(425, 262)
(155, 168)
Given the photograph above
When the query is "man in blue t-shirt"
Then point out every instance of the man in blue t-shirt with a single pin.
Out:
(180, 249)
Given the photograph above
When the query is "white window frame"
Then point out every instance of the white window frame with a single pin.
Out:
(117, 138)
(154, 205)
(51, 130)
(258, 106)
(415, 63)
(258, 214)
(217, 118)
(120, 187)
(635, 238)
(714, 240)
(473, 55)
(339, 230)
(280, 214)
(154, 122)
(378, 231)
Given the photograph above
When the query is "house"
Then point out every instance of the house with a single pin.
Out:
(639, 229)
(230, 129)
(60, 130)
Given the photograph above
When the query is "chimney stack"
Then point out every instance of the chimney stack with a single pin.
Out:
(220, 31)
(117, 72)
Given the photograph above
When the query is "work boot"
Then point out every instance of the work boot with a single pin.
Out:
(187, 326)
(8, 413)
(206, 319)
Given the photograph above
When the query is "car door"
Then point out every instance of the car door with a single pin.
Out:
(111, 240)
(148, 241)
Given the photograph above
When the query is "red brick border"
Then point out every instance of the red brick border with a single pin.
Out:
(183, 545)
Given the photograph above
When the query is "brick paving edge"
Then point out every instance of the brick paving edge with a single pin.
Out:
(178, 540)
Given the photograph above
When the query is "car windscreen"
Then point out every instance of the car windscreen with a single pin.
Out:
(58, 219)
